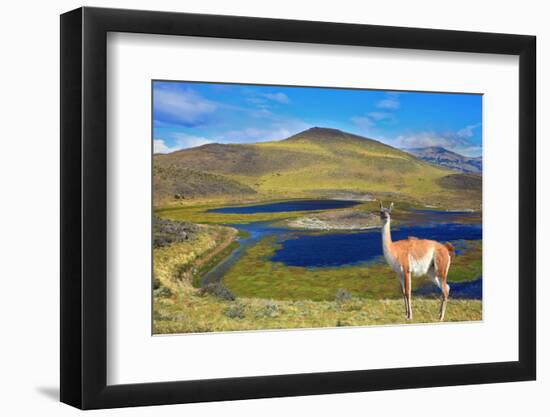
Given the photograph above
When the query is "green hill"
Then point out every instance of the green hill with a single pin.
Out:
(318, 162)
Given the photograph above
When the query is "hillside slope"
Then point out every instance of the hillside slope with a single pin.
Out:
(443, 157)
(318, 162)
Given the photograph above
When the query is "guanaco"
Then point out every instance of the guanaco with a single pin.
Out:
(416, 257)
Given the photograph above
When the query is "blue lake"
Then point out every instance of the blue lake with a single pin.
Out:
(459, 290)
(281, 206)
(337, 249)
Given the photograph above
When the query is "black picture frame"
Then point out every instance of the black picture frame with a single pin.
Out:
(84, 207)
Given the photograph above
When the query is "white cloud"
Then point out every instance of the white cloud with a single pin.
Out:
(262, 100)
(372, 118)
(280, 129)
(459, 141)
(159, 146)
(380, 115)
(391, 102)
(184, 140)
(278, 97)
(180, 141)
(468, 131)
(386, 116)
(181, 106)
(363, 122)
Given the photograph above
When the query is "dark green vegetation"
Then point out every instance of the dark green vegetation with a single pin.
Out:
(462, 182)
(316, 163)
(448, 159)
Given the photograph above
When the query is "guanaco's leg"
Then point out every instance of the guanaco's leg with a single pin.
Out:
(408, 291)
(405, 301)
(445, 291)
(444, 263)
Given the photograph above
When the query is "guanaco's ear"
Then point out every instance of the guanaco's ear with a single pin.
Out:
(381, 206)
(391, 207)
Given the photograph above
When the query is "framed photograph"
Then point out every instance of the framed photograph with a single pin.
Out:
(256, 208)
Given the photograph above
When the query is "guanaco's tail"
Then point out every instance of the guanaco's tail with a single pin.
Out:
(451, 249)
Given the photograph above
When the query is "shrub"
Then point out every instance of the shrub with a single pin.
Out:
(352, 305)
(217, 289)
(161, 316)
(269, 310)
(162, 291)
(235, 311)
(166, 232)
(342, 295)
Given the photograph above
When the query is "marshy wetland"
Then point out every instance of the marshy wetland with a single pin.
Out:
(248, 267)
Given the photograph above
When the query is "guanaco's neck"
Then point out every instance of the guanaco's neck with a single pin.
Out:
(386, 237)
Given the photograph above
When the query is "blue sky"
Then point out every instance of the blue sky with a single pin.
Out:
(192, 114)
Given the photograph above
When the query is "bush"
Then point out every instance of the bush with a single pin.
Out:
(162, 291)
(166, 232)
(342, 295)
(218, 290)
(269, 310)
(161, 316)
(235, 311)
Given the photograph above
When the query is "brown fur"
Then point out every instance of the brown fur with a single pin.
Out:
(431, 257)
(417, 248)
(451, 249)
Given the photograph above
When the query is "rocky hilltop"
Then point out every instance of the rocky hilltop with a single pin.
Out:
(448, 159)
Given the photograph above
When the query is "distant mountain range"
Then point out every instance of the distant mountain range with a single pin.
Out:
(318, 162)
(445, 158)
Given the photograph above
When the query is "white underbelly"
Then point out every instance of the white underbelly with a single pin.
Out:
(393, 263)
(420, 266)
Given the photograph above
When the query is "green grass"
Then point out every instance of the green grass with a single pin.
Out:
(200, 214)
(468, 265)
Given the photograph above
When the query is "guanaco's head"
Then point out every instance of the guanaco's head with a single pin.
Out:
(385, 212)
